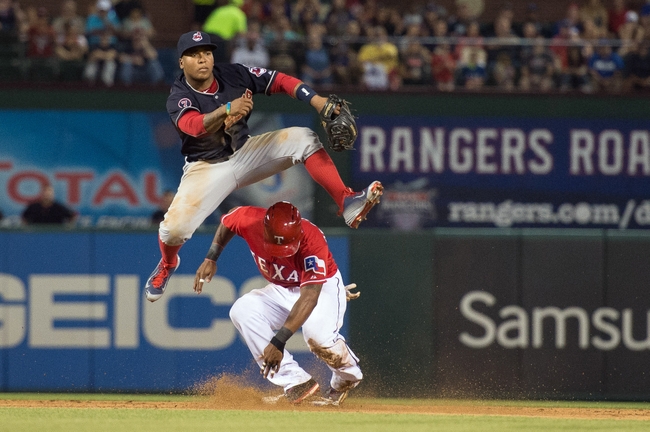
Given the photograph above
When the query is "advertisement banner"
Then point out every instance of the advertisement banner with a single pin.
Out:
(82, 323)
(505, 172)
(541, 317)
(113, 167)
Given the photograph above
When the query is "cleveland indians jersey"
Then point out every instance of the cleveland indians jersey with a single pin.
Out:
(233, 81)
(312, 264)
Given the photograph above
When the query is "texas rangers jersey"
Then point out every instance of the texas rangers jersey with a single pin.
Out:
(233, 81)
(313, 263)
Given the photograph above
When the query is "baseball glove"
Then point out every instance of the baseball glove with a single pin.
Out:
(341, 129)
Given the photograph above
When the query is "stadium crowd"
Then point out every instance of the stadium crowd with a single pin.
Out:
(598, 46)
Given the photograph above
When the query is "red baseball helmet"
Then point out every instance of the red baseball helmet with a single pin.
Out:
(282, 230)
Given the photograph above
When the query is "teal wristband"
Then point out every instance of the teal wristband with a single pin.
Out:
(228, 109)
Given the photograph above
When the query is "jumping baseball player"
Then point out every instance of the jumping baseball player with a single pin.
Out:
(305, 290)
(209, 105)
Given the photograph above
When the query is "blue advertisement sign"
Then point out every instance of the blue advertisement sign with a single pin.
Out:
(505, 172)
(82, 323)
(112, 168)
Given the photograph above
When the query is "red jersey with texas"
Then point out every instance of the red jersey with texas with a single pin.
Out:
(313, 263)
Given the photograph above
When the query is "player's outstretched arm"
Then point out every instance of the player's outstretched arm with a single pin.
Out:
(208, 267)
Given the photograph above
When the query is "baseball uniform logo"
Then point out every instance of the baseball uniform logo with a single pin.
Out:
(197, 37)
(184, 103)
(257, 71)
(315, 264)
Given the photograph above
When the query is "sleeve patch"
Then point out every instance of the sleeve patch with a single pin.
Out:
(315, 264)
(184, 103)
(257, 71)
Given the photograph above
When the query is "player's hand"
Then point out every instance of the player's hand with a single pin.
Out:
(318, 102)
(240, 107)
(204, 274)
(271, 360)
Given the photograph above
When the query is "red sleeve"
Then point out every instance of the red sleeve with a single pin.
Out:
(191, 123)
(284, 83)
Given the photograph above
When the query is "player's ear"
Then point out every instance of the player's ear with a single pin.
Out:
(180, 62)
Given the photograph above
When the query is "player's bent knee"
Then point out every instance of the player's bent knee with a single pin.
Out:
(174, 235)
(336, 356)
(242, 309)
(307, 136)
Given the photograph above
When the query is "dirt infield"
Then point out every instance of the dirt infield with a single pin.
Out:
(226, 393)
(354, 406)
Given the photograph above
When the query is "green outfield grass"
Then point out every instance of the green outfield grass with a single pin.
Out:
(330, 420)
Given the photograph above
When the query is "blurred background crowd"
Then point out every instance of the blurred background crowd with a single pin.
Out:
(477, 45)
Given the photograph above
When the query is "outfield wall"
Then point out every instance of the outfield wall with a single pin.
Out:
(449, 313)
(504, 313)
(73, 316)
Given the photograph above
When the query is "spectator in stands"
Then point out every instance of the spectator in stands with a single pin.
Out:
(440, 30)
(537, 68)
(471, 39)
(443, 68)
(139, 63)
(69, 17)
(137, 23)
(71, 49)
(9, 16)
(412, 33)
(338, 18)
(305, 13)
(575, 76)
(644, 19)
(316, 69)
(123, 8)
(594, 11)
(510, 45)
(280, 29)
(46, 210)
(380, 59)
(353, 35)
(102, 61)
(630, 33)
(413, 14)
(605, 68)
(571, 19)
(504, 73)
(429, 20)
(252, 52)
(102, 22)
(415, 64)
(637, 68)
(473, 74)
(591, 32)
(346, 69)
(529, 33)
(224, 25)
(283, 45)
(202, 10)
(41, 41)
(459, 23)
(165, 201)
(616, 15)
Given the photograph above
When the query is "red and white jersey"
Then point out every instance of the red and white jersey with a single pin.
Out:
(312, 264)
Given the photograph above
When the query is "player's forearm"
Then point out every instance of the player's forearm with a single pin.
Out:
(219, 242)
(303, 308)
(213, 121)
